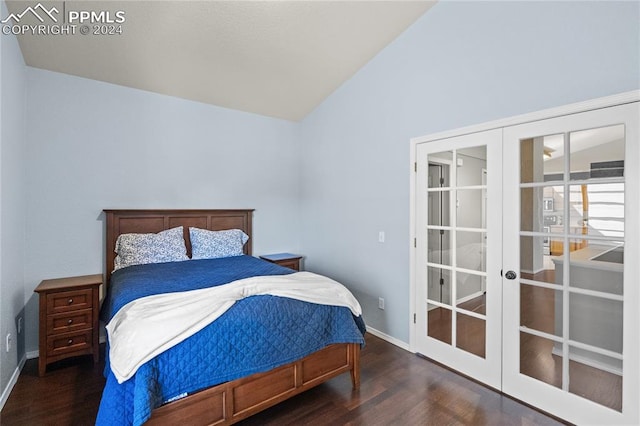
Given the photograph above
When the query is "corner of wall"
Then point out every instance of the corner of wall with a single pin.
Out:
(12, 209)
(12, 382)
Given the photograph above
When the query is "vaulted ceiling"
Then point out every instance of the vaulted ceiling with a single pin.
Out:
(275, 58)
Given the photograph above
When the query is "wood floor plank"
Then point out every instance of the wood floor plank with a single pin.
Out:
(397, 387)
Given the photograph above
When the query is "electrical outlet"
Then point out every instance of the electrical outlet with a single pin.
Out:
(9, 342)
(380, 303)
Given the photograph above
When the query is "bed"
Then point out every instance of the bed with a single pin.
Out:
(243, 387)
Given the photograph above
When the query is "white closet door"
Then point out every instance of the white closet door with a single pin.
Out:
(571, 259)
(458, 253)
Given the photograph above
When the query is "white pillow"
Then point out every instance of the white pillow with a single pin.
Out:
(139, 249)
(207, 244)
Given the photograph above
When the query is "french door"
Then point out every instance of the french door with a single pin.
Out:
(570, 240)
(459, 250)
(527, 260)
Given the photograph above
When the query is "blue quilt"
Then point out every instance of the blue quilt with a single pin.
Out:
(257, 334)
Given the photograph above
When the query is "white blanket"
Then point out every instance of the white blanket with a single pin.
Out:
(150, 325)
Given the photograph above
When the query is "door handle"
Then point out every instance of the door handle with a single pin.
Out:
(510, 275)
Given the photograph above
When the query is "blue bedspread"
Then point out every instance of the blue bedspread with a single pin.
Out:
(257, 334)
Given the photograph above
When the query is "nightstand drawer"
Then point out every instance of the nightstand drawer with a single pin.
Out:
(69, 342)
(69, 301)
(69, 321)
(291, 264)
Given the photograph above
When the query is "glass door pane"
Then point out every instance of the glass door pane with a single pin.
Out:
(573, 318)
(458, 239)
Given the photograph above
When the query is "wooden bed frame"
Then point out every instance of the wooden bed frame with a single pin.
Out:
(230, 402)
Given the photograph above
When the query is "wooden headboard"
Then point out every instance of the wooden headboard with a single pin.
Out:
(148, 221)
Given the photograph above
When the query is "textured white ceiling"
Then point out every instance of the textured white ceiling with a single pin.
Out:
(275, 58)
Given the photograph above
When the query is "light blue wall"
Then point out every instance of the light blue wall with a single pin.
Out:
(323, 187)
(93, 145)
(462, 63)
(12, 201)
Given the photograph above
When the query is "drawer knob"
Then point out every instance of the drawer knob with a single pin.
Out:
(70, 301)
(70, 342)
(70, 321)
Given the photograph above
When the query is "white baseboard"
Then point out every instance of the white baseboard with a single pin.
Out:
(392, 340)
(12, 383)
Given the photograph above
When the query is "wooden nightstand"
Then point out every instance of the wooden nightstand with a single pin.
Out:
(287, 260)
(69, 309)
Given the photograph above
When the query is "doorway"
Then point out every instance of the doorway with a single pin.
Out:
(556, 302)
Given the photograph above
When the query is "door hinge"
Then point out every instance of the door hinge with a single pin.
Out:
(414, 318)
(415, 242)
(415, 167)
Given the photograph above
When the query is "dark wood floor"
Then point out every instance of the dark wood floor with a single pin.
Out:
(397, 388)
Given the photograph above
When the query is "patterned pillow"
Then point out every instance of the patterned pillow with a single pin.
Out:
(214, 244)
(138, 249)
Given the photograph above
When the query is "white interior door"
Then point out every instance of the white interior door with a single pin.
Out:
(458, 253)
(571, 246)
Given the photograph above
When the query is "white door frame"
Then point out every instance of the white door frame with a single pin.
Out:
(619, 99)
